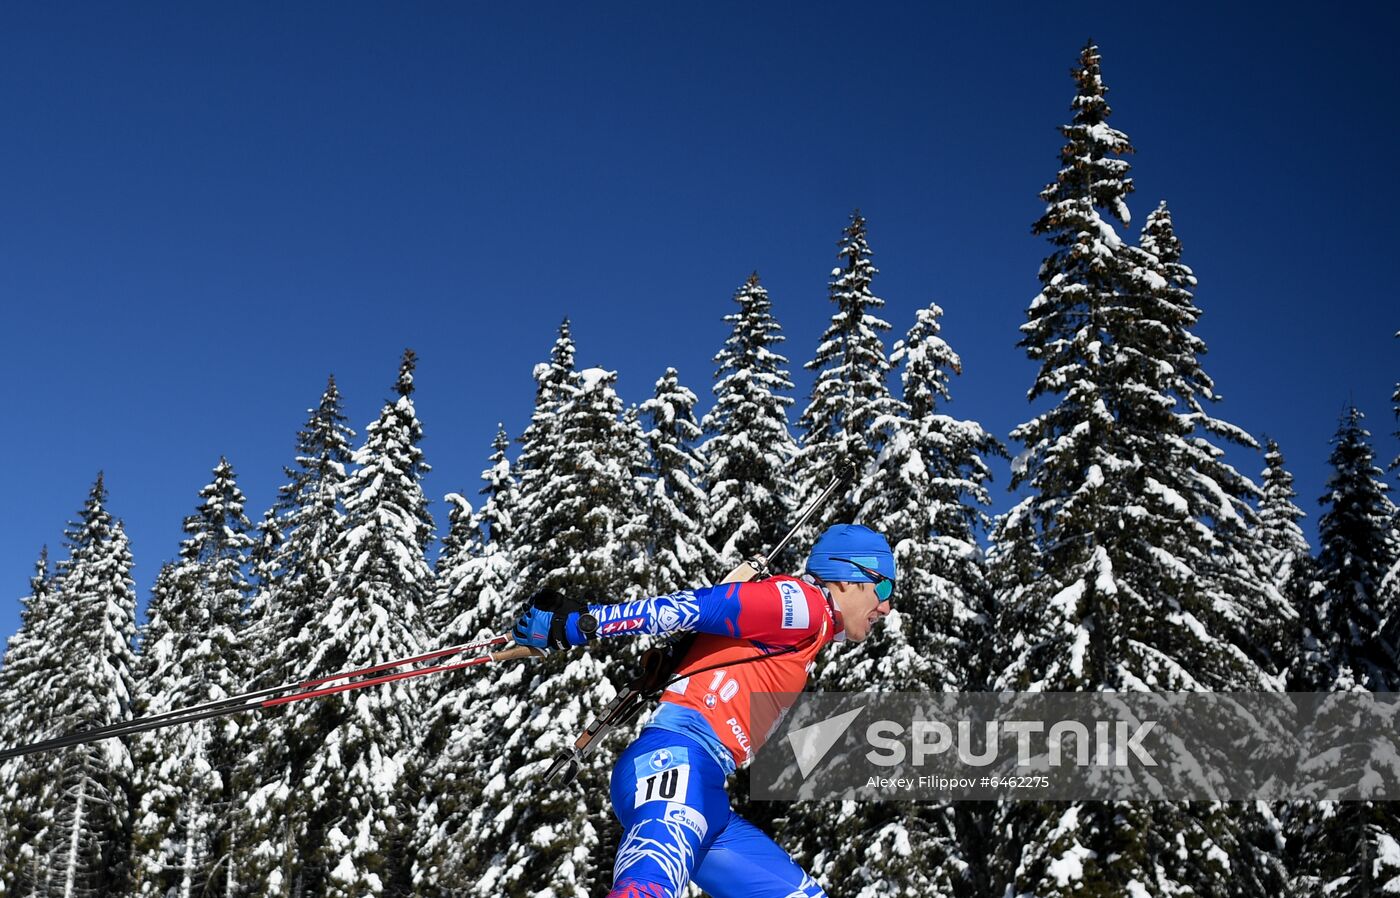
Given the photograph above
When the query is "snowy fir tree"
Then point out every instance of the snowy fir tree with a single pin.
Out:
(681, 557)
(1348, 848)
(474, 576)
(1237, 564)
(24, 782)
(1287, 557)
(582, 530)
(846, 420)
(295, 570)
(80, 841)
(474, 568)
(925, 494)
(748, 449)
(458, 546)
(496, 518)
(1341, 623)
(1126, 500)
(358, 780)
(538, 464)
(193, 651)
(1289, 554)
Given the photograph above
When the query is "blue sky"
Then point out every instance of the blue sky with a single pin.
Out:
(208, 208)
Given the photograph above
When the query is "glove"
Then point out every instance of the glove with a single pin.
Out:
(551, 621)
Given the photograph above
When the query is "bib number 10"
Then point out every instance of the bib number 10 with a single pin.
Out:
(668, 785)
(723, 685)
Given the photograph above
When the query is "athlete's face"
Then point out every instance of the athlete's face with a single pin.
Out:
(860, 608)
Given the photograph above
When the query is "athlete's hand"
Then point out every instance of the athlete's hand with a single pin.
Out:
(551, 621)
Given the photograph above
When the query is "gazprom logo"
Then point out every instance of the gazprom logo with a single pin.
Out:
(795, 615)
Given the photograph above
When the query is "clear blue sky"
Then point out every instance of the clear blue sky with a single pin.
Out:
(206, 208)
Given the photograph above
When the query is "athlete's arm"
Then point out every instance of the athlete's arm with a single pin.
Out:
(776, 612)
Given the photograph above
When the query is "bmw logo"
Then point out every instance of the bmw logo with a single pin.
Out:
(710, 700)
(660, 759)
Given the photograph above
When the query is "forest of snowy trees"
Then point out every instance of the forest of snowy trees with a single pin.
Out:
(1138, 558)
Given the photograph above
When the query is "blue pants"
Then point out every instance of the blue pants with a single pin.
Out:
(677, 825)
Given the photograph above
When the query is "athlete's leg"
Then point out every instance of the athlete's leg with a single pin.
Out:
(742, 862)
(668, 793)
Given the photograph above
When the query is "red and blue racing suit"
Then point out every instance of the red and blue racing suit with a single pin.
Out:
(668, 786)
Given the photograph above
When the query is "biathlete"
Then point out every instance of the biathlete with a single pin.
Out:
(668, 787)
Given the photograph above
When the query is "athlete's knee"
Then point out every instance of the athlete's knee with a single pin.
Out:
(633, 888)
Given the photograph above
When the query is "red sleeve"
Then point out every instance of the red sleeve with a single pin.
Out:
(778, 611)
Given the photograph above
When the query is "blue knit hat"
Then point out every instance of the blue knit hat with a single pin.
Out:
(856, 543)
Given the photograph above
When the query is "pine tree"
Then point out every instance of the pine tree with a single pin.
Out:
(1237, 562)
(459, 546)
(193, 651)
(582, 528)
(295, 571)
(1342, 622)
(925, 495)
(358, 781)
(1287, 557)
(24, 690)
(681, 558)
(474, 575)
(1130, 507)
(86, 816)
(538, 465)
(496, 518)
(1290, 555)
(847, 417)
(749, 450)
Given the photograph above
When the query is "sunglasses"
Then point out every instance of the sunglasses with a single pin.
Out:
(884, 586)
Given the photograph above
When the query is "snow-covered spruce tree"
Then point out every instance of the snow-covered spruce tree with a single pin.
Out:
(25, 693)
(474, 582)
(580, 530)
(582, 524)
(458, 547)
(1237, 564)
(748, 449)
(1287, 557)
(681, 558)
(1341, 623)
(925, 494)
(848, 416)
(1125, 595)
(358, 780)
(474, 569)
(295, 570)
(540, 466)
(1290, 556)
(193, 651)
(87, 813)
(1348, 849)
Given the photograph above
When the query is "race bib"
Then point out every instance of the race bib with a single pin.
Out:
(663, 775)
